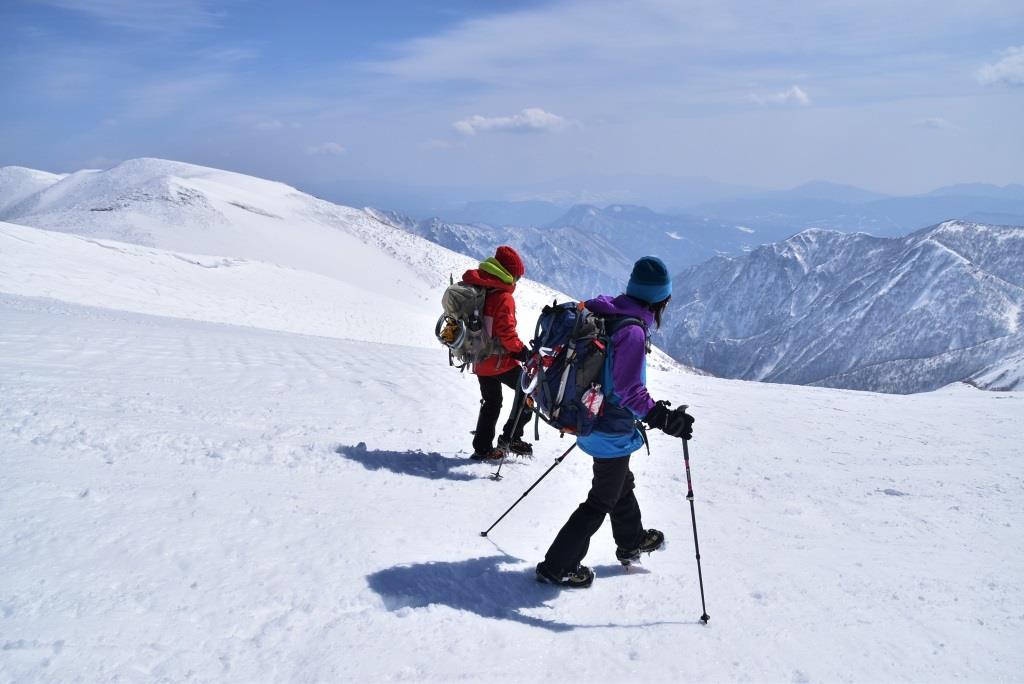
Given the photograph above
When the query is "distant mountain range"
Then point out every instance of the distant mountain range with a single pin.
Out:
(695, 232)
(819, 191)
(860, 312)
(590, 249)
(596, 245)
(567, 259)
(774, 215)
(530, 213)
(1006, 192)
(529, 202)
(820, 307)
(782, 214)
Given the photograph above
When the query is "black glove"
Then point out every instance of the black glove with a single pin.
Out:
(523, 355)
(656, 417)
(679, 423)
(675, 423)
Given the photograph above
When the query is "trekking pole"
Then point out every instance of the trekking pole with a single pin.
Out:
(693, 517)
(557, 461)
(496, 475)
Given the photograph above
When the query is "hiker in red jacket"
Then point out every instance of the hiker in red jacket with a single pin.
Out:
(499, 275)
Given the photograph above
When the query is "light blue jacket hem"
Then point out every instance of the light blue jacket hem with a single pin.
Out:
(611, 445)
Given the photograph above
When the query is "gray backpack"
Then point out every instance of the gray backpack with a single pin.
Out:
(461, 327)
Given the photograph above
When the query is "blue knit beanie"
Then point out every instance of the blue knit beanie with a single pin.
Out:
(649, 280)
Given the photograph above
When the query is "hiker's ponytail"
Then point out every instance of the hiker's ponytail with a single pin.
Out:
(658, 308)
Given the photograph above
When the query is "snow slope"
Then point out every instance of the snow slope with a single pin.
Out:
(174, 506)
(18, 183)
(1006, 374)
(210, 495)
(222, 289)
(128, 277)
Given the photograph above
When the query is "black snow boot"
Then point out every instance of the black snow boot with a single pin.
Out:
(489, 455)
(580, 578)
(652, 540)
(516, 446)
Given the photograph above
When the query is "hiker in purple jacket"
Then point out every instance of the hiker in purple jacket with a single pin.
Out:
(616, 434)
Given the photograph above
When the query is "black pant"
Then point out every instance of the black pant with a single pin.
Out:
(490, 409)
(611, 493)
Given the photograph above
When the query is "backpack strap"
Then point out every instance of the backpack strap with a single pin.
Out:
(615, 323)
(612, 325)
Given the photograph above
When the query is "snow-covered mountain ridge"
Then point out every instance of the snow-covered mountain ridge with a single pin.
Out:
(18, 183)
(184, 207)
(857, 311)
(317, 267)
(336, 258)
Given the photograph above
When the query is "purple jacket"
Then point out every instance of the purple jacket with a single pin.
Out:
(615, 434)
(629, 345)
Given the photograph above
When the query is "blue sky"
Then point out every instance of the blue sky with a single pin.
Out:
(520, 99)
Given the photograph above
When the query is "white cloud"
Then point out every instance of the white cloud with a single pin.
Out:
(327, 148)
(934, 123)
(793, 95)
(1009, 70)
(527, 121)
(569, 44)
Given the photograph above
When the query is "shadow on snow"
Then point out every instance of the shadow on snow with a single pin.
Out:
(432, 466)
(476, 585)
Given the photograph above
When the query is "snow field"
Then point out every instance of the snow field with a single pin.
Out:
(221, 289)
(268, 479)
(174, 505)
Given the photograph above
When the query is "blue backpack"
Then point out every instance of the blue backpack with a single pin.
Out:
(566, 372)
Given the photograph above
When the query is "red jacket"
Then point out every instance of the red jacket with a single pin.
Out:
(499, 320)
